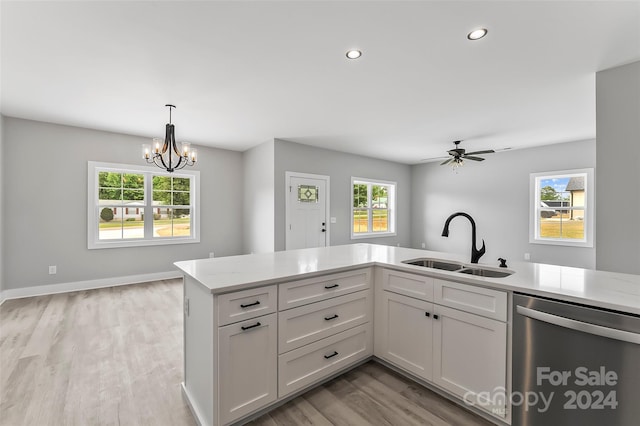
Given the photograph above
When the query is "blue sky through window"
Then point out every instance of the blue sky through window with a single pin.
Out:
(559, 184)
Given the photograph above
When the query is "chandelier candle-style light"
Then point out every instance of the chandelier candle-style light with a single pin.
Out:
(167, 155)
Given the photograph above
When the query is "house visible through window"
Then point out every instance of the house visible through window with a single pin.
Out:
(133, 206)
(372, 208)
(562, 208)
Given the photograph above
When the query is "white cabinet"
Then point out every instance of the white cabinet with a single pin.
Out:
(404, 331)
(252, 348)
(470, 357)
(311, 363)
(461, 350)
(230, 352)
(473, 299)
(245, 304)
(411, 285)
(324, 325)
(247, 366)
(303, 292)
(306, 324)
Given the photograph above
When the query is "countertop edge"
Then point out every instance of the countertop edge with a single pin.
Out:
(494, 283)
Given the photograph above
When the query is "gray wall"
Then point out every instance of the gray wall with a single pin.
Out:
(258, 163)
(496, 194)
(618, 181)
(340, 166)
(1, 203)
(45, 214)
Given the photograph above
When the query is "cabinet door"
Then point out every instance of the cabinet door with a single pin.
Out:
(470, 357)
(247, 366)
(406, 333)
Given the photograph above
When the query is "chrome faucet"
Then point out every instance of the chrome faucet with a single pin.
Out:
(475, 254)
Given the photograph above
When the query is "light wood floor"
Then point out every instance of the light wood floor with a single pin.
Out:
(114, 357)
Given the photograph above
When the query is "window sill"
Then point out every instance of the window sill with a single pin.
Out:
(373, 235)
(141, 243)
(558, 242)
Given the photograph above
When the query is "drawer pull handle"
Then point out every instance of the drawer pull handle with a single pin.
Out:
(331, 286)
(331, 356)
(251, 326)
(257, 302)
(435, 316)
(330, 318)
(427, 314)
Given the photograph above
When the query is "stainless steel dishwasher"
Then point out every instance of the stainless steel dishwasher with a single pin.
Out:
(574, 365)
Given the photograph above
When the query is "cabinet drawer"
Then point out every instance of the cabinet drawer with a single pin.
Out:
(246, 304)
(308, 364)
(478, 300)
(411, 285)
(303, 292)
(306, 324)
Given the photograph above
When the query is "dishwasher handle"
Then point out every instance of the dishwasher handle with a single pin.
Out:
(585, 327)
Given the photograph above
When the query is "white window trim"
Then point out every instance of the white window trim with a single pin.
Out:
(589, 208)
(391, 207)
(93, 241)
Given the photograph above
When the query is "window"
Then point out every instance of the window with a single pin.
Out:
(140, 206)
(372, 208)
(562, 208)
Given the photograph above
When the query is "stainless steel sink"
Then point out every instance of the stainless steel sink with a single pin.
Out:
(461, 268)
(435, 263)
(483, 272)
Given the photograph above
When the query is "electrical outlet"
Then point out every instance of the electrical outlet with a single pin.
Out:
(212, 254)
(424, 245)
(527, 256)
(53, 269)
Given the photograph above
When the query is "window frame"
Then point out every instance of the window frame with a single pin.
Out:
(94, 207)
(589, 208)
(391, 208)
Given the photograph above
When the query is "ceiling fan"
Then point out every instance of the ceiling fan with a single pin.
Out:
(459, 154)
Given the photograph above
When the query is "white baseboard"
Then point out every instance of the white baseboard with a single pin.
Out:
(41, 290)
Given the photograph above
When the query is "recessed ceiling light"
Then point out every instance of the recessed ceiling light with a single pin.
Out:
(354, 54)
(477, 34)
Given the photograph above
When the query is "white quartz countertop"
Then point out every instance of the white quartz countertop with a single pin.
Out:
(620, 292)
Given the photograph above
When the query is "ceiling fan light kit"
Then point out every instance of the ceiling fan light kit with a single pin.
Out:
(458, 155)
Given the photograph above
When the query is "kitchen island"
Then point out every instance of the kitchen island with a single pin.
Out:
(261, 329)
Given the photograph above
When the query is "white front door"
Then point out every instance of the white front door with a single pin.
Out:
(307, 211)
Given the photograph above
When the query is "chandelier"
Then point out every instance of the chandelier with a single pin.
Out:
(167, 155)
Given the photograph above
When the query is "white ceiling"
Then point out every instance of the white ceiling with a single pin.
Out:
(242, 73)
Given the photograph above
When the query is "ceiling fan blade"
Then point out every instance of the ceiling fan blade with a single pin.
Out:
(446, 161)
(487, 151)
(434, 158)
(466, 157)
